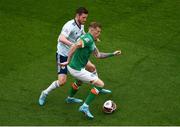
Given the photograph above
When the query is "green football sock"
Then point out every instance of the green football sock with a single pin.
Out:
(94, 92)
(73, 89)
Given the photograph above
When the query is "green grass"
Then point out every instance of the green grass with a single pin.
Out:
(144, 80)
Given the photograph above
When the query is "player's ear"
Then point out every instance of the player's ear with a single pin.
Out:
(77, 15)
(91, 30)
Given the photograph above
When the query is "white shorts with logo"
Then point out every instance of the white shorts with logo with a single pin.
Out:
(83, 75)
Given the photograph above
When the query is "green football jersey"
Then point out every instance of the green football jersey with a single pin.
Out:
(81, 55)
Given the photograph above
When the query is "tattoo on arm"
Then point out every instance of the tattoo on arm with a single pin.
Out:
(102, 55)
(105, 55)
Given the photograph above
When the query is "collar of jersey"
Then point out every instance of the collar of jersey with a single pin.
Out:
(79, 26)
(91, 35)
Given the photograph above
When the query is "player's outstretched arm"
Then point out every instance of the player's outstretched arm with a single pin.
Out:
(102, 55)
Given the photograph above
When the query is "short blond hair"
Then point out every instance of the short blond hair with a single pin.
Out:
(94, 25)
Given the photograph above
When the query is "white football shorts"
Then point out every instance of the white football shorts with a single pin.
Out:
(83, 75)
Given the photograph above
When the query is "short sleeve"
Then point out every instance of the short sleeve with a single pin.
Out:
(66, 30)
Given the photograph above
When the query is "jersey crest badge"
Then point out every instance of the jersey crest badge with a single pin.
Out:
(87, 39)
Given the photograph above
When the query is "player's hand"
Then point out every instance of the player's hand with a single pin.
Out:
(64, 63)
(116, 53)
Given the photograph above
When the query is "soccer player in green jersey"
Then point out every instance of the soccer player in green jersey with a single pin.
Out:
(78, 57)
(70, 32)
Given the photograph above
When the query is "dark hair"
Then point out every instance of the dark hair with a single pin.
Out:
(81, 10)
(94, 25)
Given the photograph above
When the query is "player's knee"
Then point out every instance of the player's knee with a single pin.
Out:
(62, 81)
(99, 83)
(91, 68)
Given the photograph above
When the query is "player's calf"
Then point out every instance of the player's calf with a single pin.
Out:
(90, 67)
(74, 88)
(99, 83)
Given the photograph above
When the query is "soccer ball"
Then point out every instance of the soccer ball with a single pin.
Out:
(109, 106)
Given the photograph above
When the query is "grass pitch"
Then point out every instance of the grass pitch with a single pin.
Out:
(145, 80)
